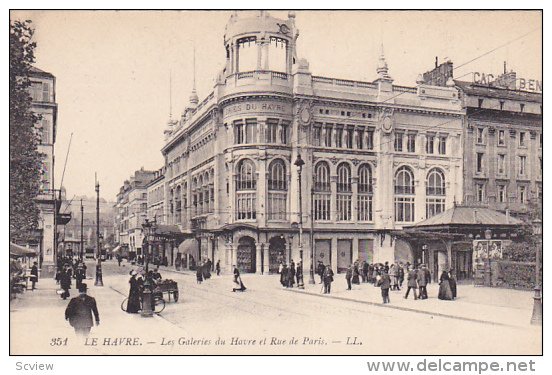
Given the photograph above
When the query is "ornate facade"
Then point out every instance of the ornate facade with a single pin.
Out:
(377, 156)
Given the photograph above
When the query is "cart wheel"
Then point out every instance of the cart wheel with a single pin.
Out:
(175, 295)
(124, 304)
(159, 305)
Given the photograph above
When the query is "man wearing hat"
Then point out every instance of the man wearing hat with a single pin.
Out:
(79, 312)
(34, 274)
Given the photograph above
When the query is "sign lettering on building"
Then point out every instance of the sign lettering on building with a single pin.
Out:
(257, 107)
(501, 81)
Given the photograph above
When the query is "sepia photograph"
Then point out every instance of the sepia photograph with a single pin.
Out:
(275, 182)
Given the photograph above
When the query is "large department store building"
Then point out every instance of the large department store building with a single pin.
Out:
(377, 157)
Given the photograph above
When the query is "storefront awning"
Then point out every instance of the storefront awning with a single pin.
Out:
(20, 251)
(189, 246)
(116, 249)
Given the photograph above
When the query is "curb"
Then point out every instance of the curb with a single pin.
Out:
(473, 320)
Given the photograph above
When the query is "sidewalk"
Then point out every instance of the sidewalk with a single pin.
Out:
(37, 317)
(479, 304)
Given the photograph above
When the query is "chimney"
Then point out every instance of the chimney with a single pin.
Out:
(436, 61)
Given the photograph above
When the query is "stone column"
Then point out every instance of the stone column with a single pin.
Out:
(265, 258)
(258, 266)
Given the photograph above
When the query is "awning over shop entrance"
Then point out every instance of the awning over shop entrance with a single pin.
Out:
(116, 249)
(18, 251)
(189, 246)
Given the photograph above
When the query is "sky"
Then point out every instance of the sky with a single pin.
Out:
(112, 69)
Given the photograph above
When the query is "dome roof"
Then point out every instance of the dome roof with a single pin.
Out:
(243, 24)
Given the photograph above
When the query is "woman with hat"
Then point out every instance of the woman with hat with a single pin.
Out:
(136, 283)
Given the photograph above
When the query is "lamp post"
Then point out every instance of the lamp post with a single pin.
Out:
(99, 278)
(146, 244)
(299, 164)
(536, 319)
(488, 281)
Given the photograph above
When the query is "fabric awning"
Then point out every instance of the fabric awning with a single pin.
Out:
(189, 246)
(116, 249)
(20, 251)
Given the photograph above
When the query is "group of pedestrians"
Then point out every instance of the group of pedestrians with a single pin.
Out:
(292, 274)
(137, 283)
(203, 271)
(67, 270)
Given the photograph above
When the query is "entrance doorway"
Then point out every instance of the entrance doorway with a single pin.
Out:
(276, 253)
(323, 252)
(247, 255)
(344, 255)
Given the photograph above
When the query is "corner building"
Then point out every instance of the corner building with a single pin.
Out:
(377, 157)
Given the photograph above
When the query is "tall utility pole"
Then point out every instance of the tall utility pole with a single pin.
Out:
(82, 233)
(99, 280)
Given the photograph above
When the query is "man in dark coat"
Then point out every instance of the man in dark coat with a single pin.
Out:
(238, 281)
(79, 312)
(349, 276)
(422, 281)
(217, 267)
(452, 282)
(412, 283)
(65, 281)
(385, 283)
(356, 274)
(320, 270)
(299, 275)
(291, 274)
(80, 275)
(327, 276)
(364, 272)
(284, 275)
(400, 275)
(34, 274)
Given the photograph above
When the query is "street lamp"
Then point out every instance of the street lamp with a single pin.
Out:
(536, 319)
(299, 164)
(99, 278)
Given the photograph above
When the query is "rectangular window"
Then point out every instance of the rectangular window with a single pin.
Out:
(344, 212)
(250, 131)
(359, 140)
(45, 181)
(522, 194)
(480, 192)
(430, 143)
(501, 138)
(246, 204)
(277, 206)
(404, 209)
(271, 130)
(501, 164)
(45, 132)
(434, 206)
(442, 145)
(338, 137)
(479, 166)
(322, 206)
(522, 165)
(522, 139)
(480, 136)
(328, 136)
(239, 132)
(364, 209)
(284, 132)
(399, 142)
(45, 92)
(370, 140)
(316, 135)
(349, 138)
(411, 142)
(501, 193)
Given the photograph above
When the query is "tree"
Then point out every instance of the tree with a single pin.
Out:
(25, 160)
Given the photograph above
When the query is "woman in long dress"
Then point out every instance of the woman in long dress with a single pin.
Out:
(452, 282)
(133, 305)
(238, 281)
(445, 293)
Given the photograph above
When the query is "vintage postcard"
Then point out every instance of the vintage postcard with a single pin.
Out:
(276, 182)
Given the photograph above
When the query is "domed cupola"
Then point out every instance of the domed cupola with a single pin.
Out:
(259, 42)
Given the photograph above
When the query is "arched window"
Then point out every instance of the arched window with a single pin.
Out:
(277, 175)
(246, 179)
(404, 195)
(322, 191)
(247, 54)
(365, 191)
(277, 190)
(194, 195)
(246, 184)
(435, 192)
(344, 192)
(185, 202)
(200, 194)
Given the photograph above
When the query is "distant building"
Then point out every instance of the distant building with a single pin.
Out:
(503, 139)
(131, 210)
(156, 197)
